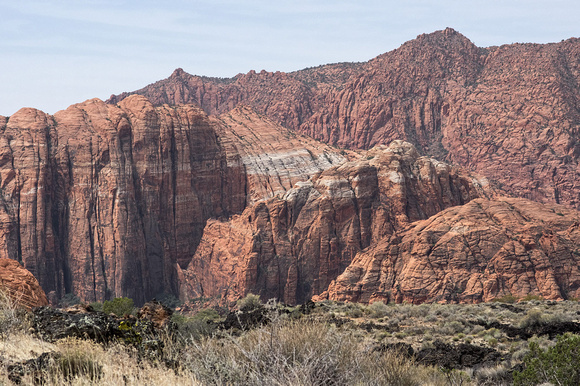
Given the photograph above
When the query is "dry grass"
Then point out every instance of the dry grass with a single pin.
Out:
(331, 346)
(302, 352)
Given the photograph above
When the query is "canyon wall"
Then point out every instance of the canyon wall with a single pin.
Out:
(102, 201)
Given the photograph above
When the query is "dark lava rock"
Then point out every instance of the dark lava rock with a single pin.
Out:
(400, 347)
(245, 320)
(457, 357)
(50, 362)
(552, 329)
(307, 307)
(509, 307)
(54, 324)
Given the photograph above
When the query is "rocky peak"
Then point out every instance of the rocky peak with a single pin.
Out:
(507, 112)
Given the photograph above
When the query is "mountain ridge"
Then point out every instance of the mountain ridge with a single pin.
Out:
(510, 112)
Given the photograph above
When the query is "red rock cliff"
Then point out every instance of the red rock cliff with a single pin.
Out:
(291, 247)
(103, 200)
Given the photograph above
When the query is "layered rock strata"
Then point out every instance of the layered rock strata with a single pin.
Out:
(291, 247)
(476, 252)
(272, 157)
(103, 200)
(510, 113)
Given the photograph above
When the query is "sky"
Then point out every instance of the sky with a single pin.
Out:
(54, 53)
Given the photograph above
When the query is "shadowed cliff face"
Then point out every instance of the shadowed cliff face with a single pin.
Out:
(292, 246)
(510, 112)
(102, 200)
(471, 253)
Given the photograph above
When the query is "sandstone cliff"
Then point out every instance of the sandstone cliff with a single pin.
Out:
(510, 112)
(20, 285)
(103, 201)
(471, 253)
(291, 247)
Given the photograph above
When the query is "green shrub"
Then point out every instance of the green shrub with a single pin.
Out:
(168, 300)
(202, 324)
(530, 297)
(534, 317)
(119, 306)
(249, 302)
(506, 299)
(557, 365)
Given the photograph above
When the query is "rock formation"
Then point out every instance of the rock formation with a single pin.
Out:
(510, 113)
(291, 247)
(476, 252)
(103, 201)
(20, 285)
(141, 197)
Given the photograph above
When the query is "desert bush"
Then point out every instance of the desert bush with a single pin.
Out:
(249, 302)
(535, 317)
(12, 317)
(97, 306)
(530, 297)
(378, 309)
(168, 300)
(119, 306)
(202, 324)
(509, 298)
(556, 365)
(75, 361)
(300, 353)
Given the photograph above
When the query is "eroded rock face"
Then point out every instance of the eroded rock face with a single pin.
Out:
(510, 112)
(103, 200)
(471, 253)
(20, 284)
(292, 246)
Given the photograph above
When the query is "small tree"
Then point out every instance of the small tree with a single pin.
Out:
(557, 365)
(118, 306)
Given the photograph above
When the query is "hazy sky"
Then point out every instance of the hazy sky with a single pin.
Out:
(56, 53)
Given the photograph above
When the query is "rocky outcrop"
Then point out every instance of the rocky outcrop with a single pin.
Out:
(291, 247)
(20, 285)
(475, 252)
(510, 113)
